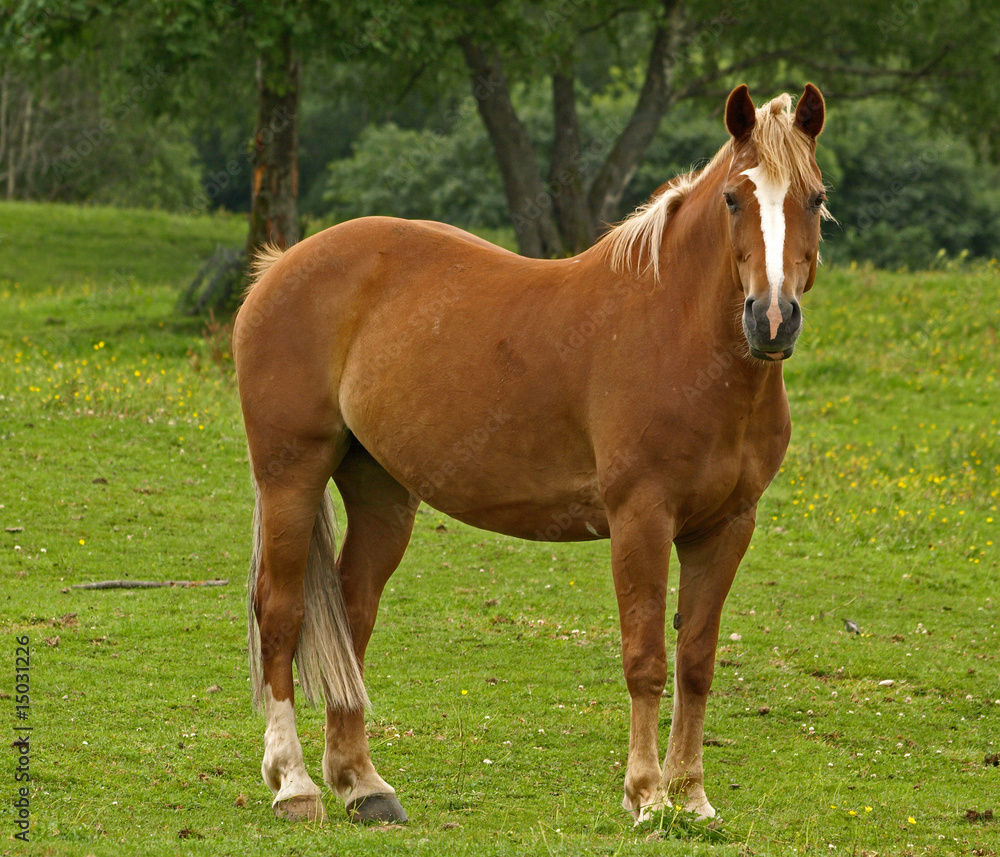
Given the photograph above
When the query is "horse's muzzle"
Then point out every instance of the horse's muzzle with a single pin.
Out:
(769, 337)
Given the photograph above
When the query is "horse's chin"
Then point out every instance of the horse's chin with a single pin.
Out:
(771, 356)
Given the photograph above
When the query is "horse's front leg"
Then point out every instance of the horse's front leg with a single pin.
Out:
(708, 567)
(640, 553)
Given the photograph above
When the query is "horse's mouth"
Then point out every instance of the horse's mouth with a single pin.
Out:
(772, 356)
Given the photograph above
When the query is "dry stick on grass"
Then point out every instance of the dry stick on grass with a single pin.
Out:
(146, 584)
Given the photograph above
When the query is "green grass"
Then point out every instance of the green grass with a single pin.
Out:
(45, 247)
(124, 457)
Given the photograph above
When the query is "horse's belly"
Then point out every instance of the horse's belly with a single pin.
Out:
(486, 483)
(570, 521)
(502, 468)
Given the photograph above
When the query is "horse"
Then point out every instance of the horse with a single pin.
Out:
(632, 392)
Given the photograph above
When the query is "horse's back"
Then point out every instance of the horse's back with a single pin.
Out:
(318, 291)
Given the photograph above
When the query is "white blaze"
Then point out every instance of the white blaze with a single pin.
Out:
(771, 199)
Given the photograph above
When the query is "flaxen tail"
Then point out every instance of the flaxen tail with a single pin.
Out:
(327, 667)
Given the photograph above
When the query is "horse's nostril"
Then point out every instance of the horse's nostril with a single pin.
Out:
(795, 316)
(749, 322)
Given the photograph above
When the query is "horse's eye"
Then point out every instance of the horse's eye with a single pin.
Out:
(818, 201)
(731, 202)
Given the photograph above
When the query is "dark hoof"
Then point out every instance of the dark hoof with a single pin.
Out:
(377, 809)
(300, 809)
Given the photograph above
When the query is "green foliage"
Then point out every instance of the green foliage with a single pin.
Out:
(420, 174)
(903, 191)
(121, 89)
(67, 134)
(449, 173)
(125, 458)
(137, 164)
(688, 137)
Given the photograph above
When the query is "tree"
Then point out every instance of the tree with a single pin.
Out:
(204, 51)
(560, 188)
(906, 191)
(690, 50)
(72, 128)
(275, 185)
(268, 38)
(563, 212)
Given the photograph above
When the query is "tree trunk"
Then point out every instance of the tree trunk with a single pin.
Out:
(274, 216)
(4, 90)
(17, 155)
(29, 148)
(274, 211)
(563, 216)
(576, 228)
(654, 100)
(528, 202)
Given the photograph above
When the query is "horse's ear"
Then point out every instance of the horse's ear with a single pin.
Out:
(741, 115)
(810, 112)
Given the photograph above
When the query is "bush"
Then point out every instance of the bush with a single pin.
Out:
(903, 191)
(152, 165)
(419, 174)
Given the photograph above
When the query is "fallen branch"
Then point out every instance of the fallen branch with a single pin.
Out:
(146, 584)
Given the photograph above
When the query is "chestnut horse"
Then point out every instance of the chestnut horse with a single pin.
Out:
(633, 392)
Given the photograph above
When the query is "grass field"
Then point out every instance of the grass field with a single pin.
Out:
(500, 712)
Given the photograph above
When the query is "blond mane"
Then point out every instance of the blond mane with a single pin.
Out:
(785, 153)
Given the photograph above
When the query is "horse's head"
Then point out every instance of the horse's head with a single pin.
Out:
(775, 200)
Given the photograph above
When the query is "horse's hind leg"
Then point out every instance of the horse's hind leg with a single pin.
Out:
(380, 515)
(292, 572)
(287, 517)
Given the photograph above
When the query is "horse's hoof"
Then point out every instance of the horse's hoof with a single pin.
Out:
(377, 809)
(300, 808)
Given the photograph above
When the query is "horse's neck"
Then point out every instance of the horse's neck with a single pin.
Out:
(697, 252)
